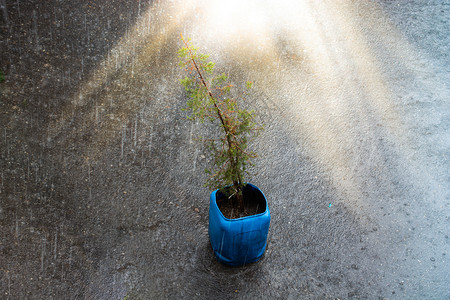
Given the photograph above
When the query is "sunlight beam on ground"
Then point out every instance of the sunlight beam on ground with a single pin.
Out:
(311, 58)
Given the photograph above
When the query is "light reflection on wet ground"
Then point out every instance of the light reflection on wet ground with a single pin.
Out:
(101, 177)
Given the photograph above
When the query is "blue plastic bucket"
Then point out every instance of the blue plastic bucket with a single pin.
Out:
(238, 241)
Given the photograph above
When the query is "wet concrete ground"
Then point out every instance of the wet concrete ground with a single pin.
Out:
(101, 187)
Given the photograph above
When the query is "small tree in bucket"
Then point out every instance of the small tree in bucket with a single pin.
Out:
(210, 98)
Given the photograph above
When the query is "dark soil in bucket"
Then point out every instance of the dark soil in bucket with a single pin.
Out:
(254, 203)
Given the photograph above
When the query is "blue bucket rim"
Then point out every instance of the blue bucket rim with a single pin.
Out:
(266, 211)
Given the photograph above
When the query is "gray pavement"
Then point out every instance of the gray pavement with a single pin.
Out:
(101, 192)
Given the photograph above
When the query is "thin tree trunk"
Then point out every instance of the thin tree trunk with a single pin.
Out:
(238, 195)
